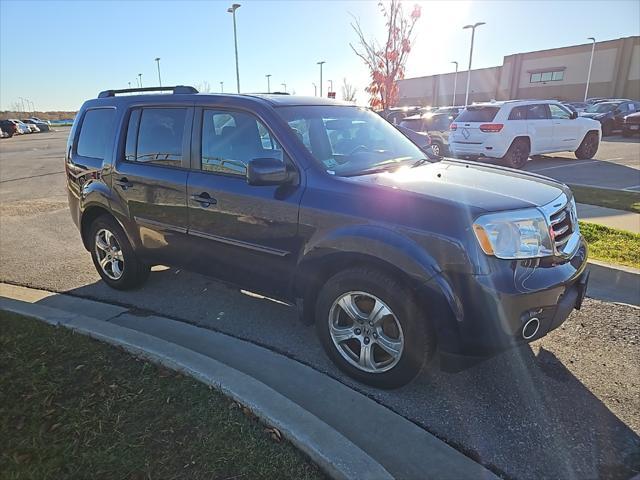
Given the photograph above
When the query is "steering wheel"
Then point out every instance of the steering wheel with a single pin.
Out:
(359, 148)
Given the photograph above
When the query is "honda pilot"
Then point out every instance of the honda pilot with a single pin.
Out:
(328, 207)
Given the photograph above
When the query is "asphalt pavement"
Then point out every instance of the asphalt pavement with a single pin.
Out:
(566, 407)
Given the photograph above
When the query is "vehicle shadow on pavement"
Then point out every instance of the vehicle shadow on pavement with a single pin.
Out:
(621, 139)
(524, 415)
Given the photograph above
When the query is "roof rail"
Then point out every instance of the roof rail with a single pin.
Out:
(178, 89)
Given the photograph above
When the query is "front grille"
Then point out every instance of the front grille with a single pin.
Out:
(563, 225)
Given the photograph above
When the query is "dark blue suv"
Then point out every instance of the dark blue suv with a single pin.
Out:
(328, 207)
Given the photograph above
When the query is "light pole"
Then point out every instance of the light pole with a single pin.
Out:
(321, 63)
(221, 87)
(129, 83)
(232, 10)
(140, 79)
(315, 89)
(455, 85)
(159, 79)
(593, 47)
(284, 85)
(33, 108)
(330, 86)
(268, 75)
(22, 101)
(473, 33)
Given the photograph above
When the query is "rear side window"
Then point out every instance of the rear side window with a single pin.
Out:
(95, 132)
(155, 135)
(478, 114)
(414, 124)
(518, 113)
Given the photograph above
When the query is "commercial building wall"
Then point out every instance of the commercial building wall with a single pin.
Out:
(615, 73)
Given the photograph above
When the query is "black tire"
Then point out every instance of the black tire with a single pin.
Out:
(419, 339)
(607, 129)
(133, 271)
(518, 154)
(437, 149)
(588, 147)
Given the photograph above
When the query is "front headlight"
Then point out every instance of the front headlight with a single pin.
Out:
(515, 234)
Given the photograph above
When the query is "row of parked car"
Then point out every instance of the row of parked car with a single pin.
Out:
(489, 130)
(11, 127)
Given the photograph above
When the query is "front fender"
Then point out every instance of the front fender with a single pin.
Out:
(388, 247)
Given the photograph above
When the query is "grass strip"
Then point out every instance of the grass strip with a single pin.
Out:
(71, 407)
(612, 245)
(604, 197)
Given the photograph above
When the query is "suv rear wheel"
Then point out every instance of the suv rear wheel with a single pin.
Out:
(372, 327)
(518, 154)
(113, 256)
(588, 147)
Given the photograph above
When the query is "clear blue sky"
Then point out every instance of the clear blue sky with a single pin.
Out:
(59, 53)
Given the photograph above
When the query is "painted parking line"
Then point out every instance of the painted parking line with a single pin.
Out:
(635, 188)
(572, 164)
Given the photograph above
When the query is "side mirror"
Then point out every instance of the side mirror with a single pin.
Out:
(573, 115)
(266, 171)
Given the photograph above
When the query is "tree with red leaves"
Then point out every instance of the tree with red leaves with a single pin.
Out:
(386, 62)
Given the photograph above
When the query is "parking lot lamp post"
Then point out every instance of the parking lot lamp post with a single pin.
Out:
(129, 83)
(268, 75)
(159, 79)
(473, 33)
(315, 89)
(22, 102)
(221, 87)
(232, 10)
(321, 63)
(284, 85)
(33, 108)
(140, 79)
(593, 47)
(330, 85)
(455, 85)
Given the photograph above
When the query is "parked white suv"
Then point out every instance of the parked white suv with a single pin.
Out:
(513, 130)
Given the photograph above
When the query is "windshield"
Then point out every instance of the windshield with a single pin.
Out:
(349, 140)
(601, 107)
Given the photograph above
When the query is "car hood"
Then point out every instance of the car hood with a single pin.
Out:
(473, 185)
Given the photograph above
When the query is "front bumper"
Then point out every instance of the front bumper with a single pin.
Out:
(498, 306)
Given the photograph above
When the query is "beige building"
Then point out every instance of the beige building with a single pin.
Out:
(559, 73)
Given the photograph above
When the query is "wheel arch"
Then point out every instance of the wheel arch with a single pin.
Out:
(89, 215)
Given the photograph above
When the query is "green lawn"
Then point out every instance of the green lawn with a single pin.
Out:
(602, 197)
(71, 407)
(611, 245)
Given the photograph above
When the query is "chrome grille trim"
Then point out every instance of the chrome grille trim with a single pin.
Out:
(562, 219)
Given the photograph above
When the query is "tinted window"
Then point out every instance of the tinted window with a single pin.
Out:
(537, 112)
(132, 136)
(478, 114)
(231, 139)
(160, 136)
(535, 77)
(559, 112)
(96, 129)
(558, 75)
(414, 124)
(518, 113)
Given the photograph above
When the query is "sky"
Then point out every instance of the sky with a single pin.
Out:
(59, 53)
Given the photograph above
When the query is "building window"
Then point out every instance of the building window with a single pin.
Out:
(550, 76)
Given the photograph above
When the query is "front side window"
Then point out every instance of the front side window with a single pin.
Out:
(95, 131)
(559, 113)
(231, 139)
(349, 140)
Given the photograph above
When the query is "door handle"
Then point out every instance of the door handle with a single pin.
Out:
(123, 183)
(204, 199)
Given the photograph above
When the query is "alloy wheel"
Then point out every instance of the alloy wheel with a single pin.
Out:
(109, 254)
(365, 331)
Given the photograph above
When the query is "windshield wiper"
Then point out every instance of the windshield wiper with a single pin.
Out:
(421, 161)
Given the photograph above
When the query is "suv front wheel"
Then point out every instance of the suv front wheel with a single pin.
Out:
(588, 147)
(113, 256)
(372, 327)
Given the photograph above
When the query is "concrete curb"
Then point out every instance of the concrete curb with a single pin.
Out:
(614, 283)
(293, 397)
(333, 453)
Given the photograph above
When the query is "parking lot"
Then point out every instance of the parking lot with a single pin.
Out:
(566, 407)
(616, 165)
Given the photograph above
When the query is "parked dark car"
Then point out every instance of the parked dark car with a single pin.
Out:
(328, 207)
(451, 111)
(395, 115)
(436, 125)
(631, 124)
(9, 127)
(42, 126)
(611, 114)
(576, 106)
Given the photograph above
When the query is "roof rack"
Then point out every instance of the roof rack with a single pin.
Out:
(178, 89)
